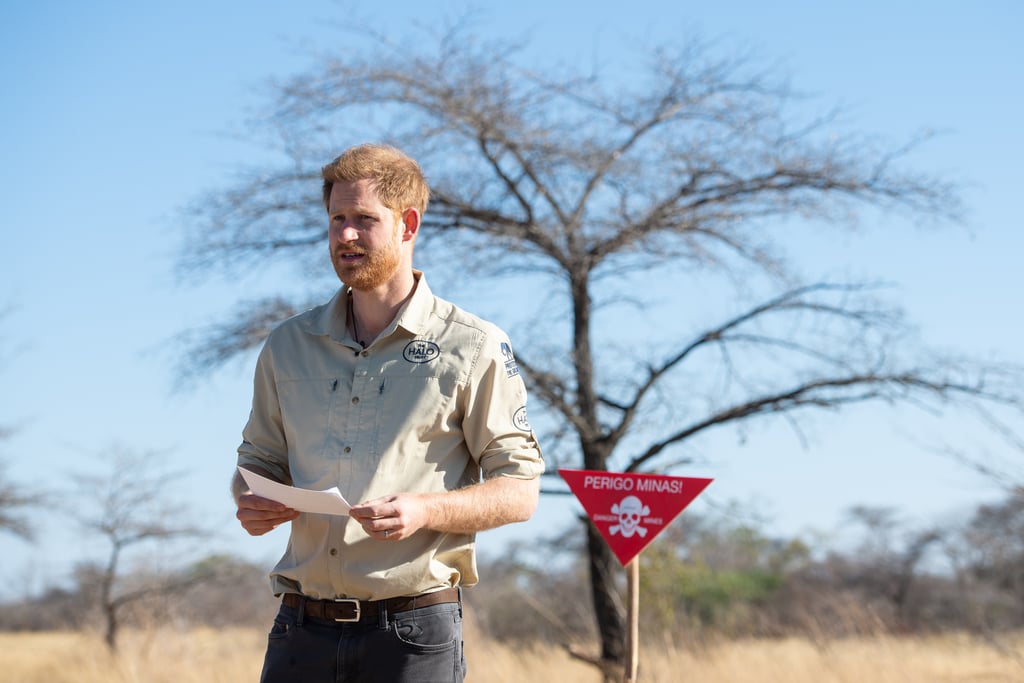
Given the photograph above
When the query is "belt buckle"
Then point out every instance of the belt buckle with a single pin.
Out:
(355, 605)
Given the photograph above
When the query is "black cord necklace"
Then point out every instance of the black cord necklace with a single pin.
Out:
(352, 320)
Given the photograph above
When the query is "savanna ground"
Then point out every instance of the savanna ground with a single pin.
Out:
(235, 655)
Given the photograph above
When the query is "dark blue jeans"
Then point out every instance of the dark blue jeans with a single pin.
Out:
(416, 646)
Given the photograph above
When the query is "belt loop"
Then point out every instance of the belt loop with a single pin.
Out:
(459, 589)
(382, 614)
(301, 615)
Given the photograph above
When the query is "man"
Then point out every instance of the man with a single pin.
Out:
(403, 401)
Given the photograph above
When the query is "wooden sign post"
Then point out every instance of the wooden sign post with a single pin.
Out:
(629, 511)
(633, 617)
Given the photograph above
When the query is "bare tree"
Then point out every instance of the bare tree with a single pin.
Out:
(128, 505)
(593, 186)
(989, 556)
(16, 498)
(15, 501)
(887, 563)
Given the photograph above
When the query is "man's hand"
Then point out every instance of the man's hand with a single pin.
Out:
(392, 517)
(259, 515)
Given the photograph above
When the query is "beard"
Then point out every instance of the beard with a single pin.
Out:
(376, 267)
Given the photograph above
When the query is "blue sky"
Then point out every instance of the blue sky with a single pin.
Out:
(117, 114)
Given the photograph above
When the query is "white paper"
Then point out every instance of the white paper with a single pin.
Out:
(329, 502)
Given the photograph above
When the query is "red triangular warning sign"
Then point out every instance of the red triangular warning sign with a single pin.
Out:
(631, 509)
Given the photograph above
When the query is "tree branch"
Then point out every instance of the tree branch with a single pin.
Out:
(819, 393)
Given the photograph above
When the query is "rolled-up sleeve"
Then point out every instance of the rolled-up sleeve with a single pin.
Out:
(495, 425)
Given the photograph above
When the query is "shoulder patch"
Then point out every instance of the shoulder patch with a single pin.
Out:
(511, 368)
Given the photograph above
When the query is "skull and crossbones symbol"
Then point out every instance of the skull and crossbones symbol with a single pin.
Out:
(629, 511)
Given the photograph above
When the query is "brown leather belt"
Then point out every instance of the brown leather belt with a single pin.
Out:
(350, 609)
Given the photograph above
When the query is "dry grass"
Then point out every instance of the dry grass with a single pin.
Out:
(235, 655)
(150, 656)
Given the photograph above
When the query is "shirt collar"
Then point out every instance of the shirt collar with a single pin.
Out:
(332, 319)
(415, 314)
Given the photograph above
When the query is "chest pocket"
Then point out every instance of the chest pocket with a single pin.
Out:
(418, 400)
(306, 411)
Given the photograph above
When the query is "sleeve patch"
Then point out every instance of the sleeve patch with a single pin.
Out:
(520, 421)
(511, 368)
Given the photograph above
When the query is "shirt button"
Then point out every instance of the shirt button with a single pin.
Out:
(334, 551)
(355, 400)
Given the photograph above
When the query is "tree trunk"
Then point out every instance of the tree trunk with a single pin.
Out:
(607, 606)
(107, 596)
(110, 634)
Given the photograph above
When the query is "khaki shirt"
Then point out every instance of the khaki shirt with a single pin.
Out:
(432, 403)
